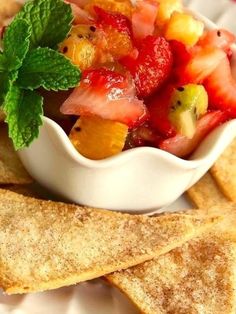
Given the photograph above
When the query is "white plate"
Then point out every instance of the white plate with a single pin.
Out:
(97, 297)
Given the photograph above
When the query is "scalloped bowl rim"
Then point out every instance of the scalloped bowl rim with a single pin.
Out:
(135, 152)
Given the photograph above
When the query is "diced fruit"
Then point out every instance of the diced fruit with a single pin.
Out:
(107, 94)
(184, 28)
(80, 51)
(115, 20)
(143, 18)
(182, 146)
(159, 109)
(143, 135)
(83, 31)
(187, 104)
(97, 37)
(118, 33)
(121, 6)
(219, 38)
(79, 3)
(201, 65)
(96, 138)
(80, 16)
(153, 65)
(221, 88)
(118, 44)
(81, 46)
(165, 10)
(180, 52)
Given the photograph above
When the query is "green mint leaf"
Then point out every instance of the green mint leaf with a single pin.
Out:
(16, 43)
(6, 80)
(2, 63)
(24, 115)
(4, 86)
(50, 21)
(47, 68)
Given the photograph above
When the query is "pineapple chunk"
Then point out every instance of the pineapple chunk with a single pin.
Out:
(124, 7)
(184, 28)
(166, 8)
(96, 138)
(80, 51)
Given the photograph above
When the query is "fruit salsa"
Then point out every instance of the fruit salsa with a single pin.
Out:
(151, 75)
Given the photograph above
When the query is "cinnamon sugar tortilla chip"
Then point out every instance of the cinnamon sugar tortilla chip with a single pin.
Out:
(224, 172)
(205, 193)
(11, 168)
(46, 245)
(198, 277)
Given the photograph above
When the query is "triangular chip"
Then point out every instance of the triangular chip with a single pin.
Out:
(11, 168)
(205, 193)
(46, 245)
(224, 172)
(199, 277)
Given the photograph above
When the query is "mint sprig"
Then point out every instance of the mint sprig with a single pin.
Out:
(16, 42)
(23, 109)
(50, 21)
(49, 69)
(28, 62)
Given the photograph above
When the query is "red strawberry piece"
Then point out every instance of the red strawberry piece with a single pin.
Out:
(181, 146)
(219, 38)
(114, 19)
(202, 63)
(143, 135)
(180, 52)
(153, 65)
(107, 94)
(159, 109)
(144, 18)
(221, 88)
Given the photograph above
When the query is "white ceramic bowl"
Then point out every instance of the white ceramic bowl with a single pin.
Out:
(140, 180)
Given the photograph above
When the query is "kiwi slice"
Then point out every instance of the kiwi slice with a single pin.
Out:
(188, 103)
(83, 31)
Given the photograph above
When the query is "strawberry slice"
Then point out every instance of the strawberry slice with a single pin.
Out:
(219, 38)
(159, 109)
(180, 52)
(114, 19)
(107, 94)
(142, 136)
(221, 88)
(181, 146)
(202, 63)
(153, 65)
(144, 18)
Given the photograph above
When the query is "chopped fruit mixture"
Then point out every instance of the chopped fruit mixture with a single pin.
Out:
(96, 138)
(152, 68)
(152, 75)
